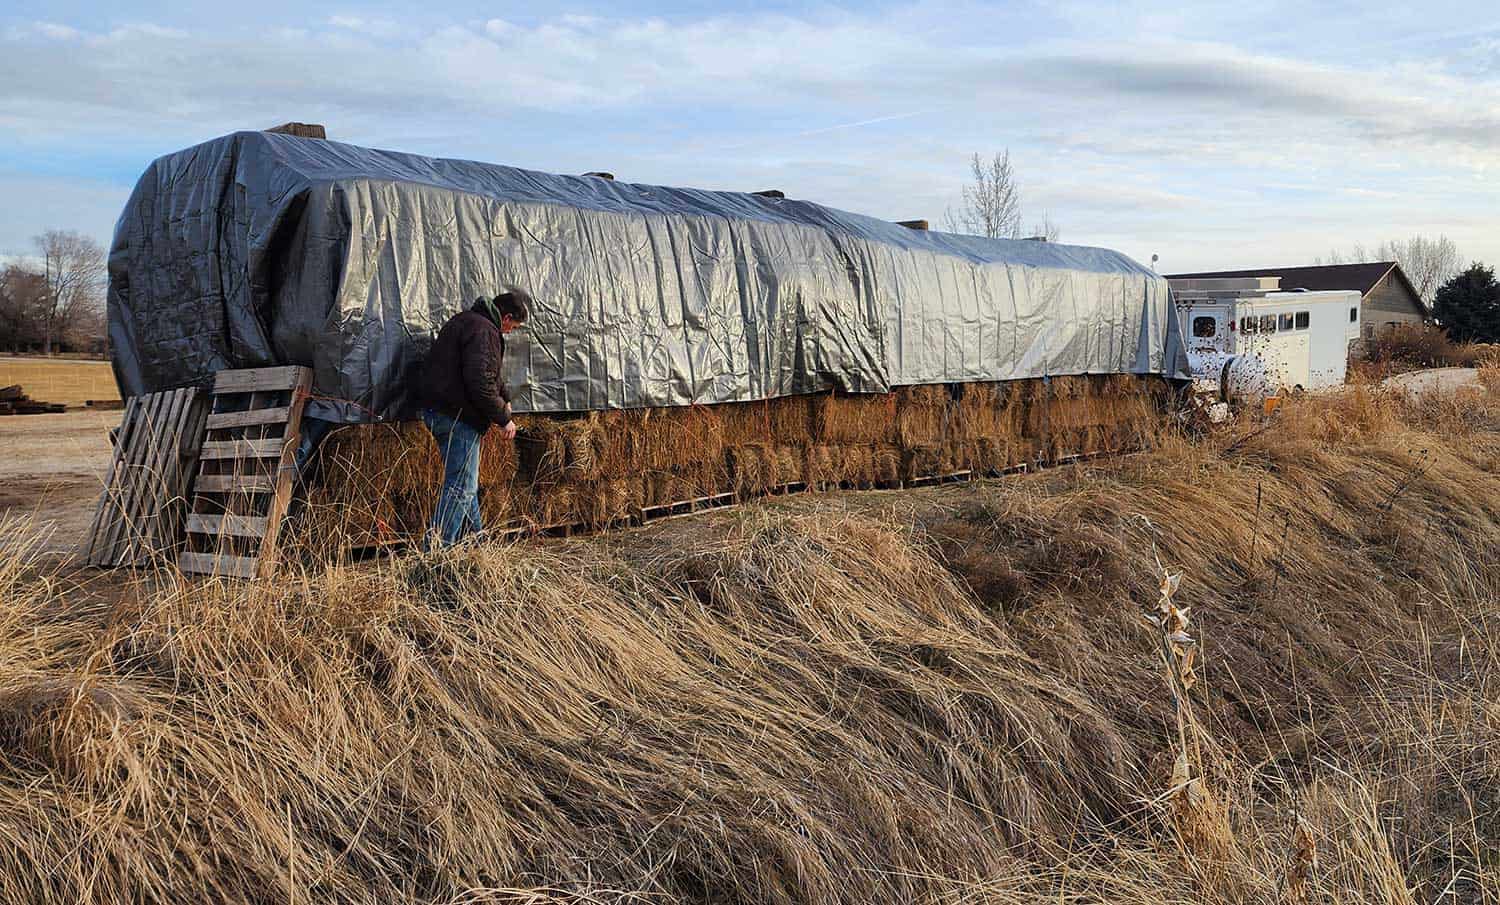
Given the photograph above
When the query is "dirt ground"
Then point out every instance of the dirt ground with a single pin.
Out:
(51, 470)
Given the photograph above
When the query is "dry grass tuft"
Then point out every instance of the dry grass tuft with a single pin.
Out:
(941, 695)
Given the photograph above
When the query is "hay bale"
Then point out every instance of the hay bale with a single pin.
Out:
(921, 424)
(702, 479)
(791, 419)
(541, 452)
(558, 449)
(599, 503)
(617, 443)
(656, 489)
(556, 505)
(992, 455)
(854, 419)
(581, 440)
(678, 436)
(752, 468)
(1071, 386)
(787, 464)
(376, 482)
(956, 456)
(820, 466)
(784, 420)
(986, 410)
(665, 487)
(856, 464)
(924, 461)
(927, 394)
(885, 463)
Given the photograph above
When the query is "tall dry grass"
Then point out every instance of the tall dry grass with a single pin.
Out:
(944, 695)
(1410, 347)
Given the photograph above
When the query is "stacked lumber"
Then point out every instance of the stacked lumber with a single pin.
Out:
(14, 401)
(377, 483)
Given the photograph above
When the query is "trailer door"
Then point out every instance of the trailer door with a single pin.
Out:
(1208, 331)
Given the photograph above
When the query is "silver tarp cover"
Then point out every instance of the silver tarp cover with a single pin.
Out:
(258, 249)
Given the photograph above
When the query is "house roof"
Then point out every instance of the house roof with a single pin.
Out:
(1359, 277)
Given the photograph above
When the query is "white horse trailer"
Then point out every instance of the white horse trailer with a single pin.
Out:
(1267, 343)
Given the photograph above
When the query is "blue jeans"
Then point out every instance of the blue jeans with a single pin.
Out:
(457, 512)
(313, 432)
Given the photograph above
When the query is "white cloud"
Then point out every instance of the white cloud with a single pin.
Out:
(875, 111)
(374, 27)
(56, 32)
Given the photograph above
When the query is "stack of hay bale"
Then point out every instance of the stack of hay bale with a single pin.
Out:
(599, 468)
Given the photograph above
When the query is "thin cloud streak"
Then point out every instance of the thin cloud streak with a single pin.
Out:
(1166, 139)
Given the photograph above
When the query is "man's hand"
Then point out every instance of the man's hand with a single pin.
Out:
(509, 430)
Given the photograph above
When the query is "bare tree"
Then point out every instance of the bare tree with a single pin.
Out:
(74, 270)
(1427, 262)
(22, 297)
(991, 202)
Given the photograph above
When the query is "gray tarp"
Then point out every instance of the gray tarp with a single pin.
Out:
(257, 249)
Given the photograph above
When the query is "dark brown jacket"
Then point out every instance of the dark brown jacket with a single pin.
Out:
(461, 377)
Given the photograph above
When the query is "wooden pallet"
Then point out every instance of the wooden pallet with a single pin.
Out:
(139, 515)
(245, 472)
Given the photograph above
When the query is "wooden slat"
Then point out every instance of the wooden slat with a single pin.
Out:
(154, 477)
(221, 420)
(243, 449)
(103, 509)
(183, 465)
(232, 525)
(229, 483)
(250, 516)
(217, 564)
(129, 489)
(254, 380)
(275, 512)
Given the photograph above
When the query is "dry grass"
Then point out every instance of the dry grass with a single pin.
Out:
(944, 696)
(69, 381)
(1410, 347)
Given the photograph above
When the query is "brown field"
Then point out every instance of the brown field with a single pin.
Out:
(947, 695)
(51, 470)
(72, 382)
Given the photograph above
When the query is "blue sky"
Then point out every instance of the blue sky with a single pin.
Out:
(1213, 134)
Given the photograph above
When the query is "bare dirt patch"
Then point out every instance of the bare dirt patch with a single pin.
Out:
(51, 469)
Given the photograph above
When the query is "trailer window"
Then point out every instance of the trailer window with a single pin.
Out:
(1205, 327)
(1353, 315)
(1283, 322)
(1302, 320)
(1247, 324)
(1268, 323)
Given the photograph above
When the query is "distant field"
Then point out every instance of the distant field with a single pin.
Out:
(60, 380)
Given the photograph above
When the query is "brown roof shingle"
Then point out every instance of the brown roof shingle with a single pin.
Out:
(1360, 277)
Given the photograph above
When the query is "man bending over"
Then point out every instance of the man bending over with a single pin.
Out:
(463, 395)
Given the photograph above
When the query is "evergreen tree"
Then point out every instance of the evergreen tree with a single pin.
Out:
(1468, 306)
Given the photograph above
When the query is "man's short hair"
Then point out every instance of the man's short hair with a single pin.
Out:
(515, 304)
